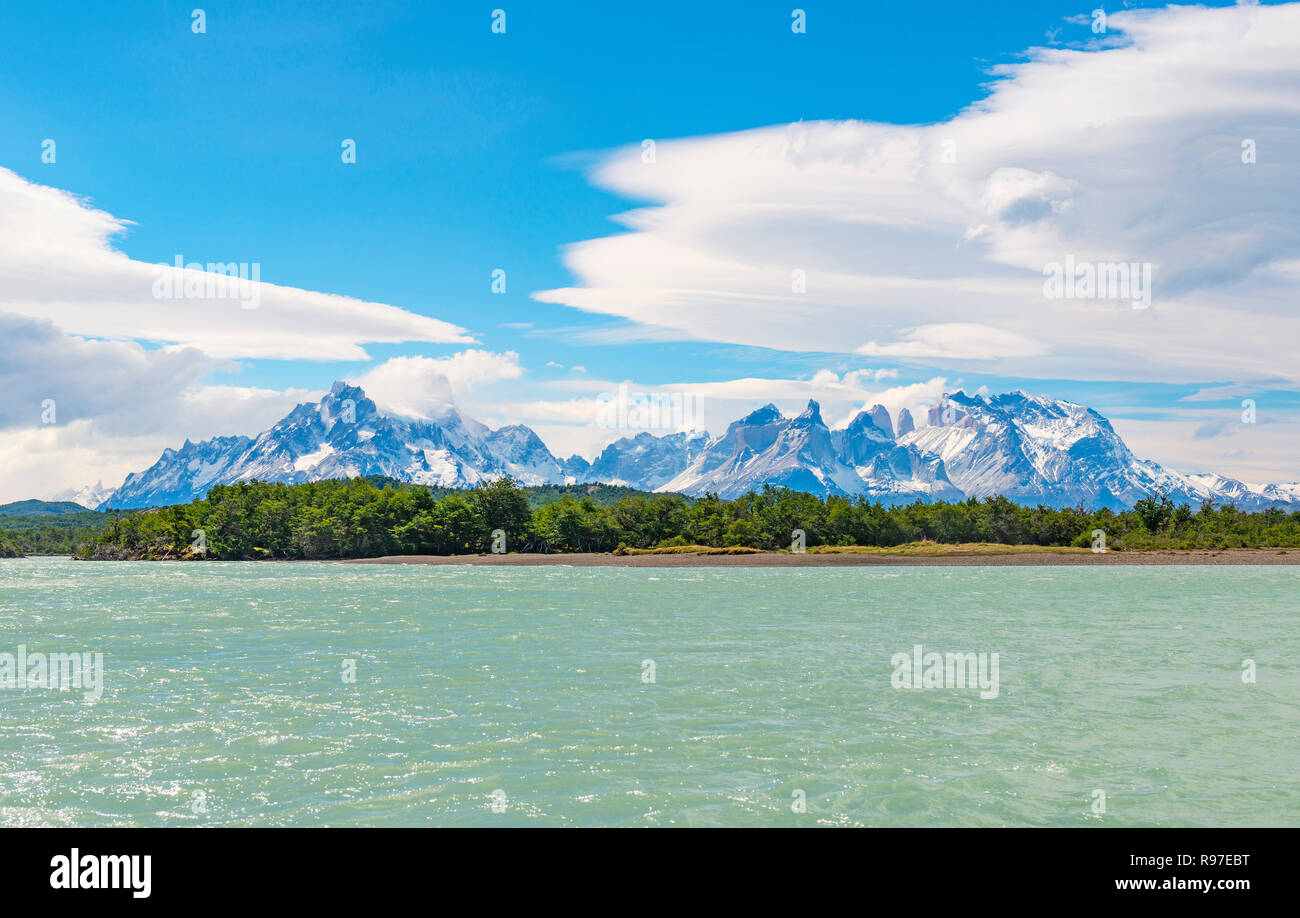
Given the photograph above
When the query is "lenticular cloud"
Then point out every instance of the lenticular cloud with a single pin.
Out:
(57, 263)
(1177, 149)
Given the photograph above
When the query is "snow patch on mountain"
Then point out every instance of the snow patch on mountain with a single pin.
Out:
(345, 436)
(1029, 448)
(644, 461)
(1034, 450)
(802, 453)
(89, 496)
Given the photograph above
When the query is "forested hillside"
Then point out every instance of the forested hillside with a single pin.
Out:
(358, 519)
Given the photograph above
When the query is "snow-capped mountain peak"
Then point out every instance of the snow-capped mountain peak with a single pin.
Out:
(1030, 448)
(344, 435)
(803, 453)
(90, 496)
(1034, 449)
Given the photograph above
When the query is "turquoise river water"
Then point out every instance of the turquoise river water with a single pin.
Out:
(330, 694)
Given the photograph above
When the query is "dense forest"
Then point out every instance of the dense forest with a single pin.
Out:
(51, 534)
(364, 518)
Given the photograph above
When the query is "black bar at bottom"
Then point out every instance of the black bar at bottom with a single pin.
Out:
(332, 867)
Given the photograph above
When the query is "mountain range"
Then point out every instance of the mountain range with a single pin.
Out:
(87, 498)
(1029, 448)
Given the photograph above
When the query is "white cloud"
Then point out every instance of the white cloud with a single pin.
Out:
(1218, 442)
(927, 244)
(57, 262)
(955, 340)
(423, 386)
(1218, 393)
(113, 406)
(121, 387)
(117, 405)
(73, 314)
(41, 461)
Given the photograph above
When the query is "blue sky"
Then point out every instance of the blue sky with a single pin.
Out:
(478, 151)
(225, 146)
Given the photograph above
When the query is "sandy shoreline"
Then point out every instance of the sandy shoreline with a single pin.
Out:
(862, 559)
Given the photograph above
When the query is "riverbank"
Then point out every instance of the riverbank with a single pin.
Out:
(929, 555)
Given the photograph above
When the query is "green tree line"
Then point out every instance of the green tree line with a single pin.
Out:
(359, 518)
(50, 534)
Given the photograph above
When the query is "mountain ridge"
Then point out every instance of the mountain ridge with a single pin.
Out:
(1032, 449)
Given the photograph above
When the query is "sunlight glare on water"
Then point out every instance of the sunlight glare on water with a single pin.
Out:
(503, 696)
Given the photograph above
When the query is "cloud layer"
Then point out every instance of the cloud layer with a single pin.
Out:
(57, 262)
(100, 373)
(913, 245)
(77, 410)
(571, 424)
(423, 386)
(928, 244)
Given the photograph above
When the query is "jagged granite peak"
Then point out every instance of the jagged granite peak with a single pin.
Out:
(802, 453)
(645, 461)
(574, 469)
(1029, 448)
(812, 415)
(905, 423)
(879, 415)
(759, 416)
(864, 437)
(1034, 449)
